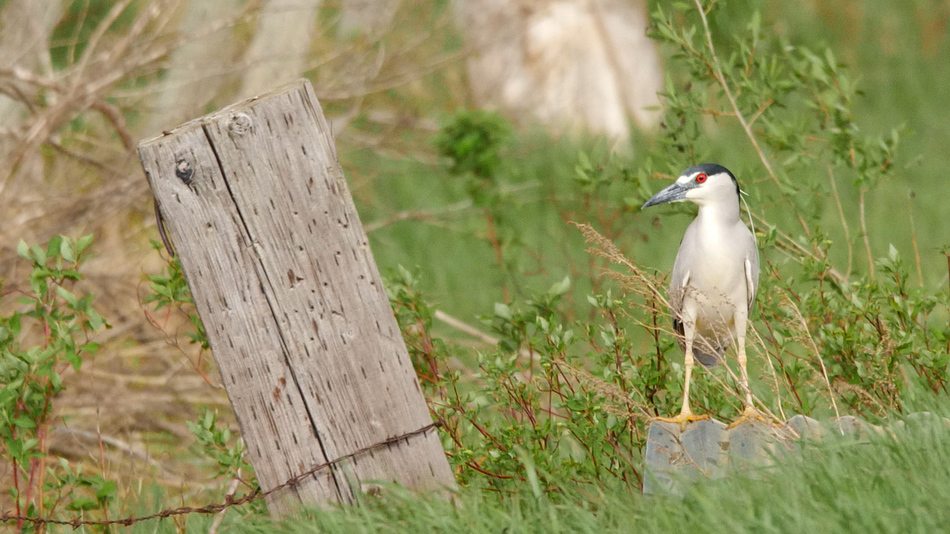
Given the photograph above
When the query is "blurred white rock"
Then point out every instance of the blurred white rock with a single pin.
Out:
(574, 65)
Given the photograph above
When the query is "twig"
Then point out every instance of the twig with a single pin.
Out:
(795, 250)
(101, 440)
(721, 79)
(101, 29)
(395, 80)
(232, 489)
(758, 113)
(458, 324)
(913, 238)
(844, 222)
(864, 232)
(418, 215)
(814, 346)
(775, 380)
(114, 116)
(946, 252)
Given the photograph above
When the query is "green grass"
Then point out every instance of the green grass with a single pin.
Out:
(889, 483)
(841, 485)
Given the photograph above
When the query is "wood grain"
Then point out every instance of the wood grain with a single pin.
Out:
(301, 329)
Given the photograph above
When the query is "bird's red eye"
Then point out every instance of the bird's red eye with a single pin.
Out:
(700, 178)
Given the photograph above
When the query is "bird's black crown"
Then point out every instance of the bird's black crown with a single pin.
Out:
(710, 169)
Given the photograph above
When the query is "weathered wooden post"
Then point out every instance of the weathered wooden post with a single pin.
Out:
(281, 272)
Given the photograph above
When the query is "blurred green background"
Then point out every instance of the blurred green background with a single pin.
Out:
(897, 54)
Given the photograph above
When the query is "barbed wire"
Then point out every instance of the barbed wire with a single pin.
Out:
(229, 501)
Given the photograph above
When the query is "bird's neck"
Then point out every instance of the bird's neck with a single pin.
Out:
(726, 213)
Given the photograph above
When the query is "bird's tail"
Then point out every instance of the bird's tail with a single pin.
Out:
(707, 359)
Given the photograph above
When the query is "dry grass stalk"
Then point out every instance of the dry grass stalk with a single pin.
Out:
(810, 342)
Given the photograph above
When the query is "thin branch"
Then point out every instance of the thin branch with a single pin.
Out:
(418, 215)
(913, 238)
(844, 222)
(821, 361)
(795, 250)
(721, 79)
(864, 231)
(458, 324)
(758, 113)
(219, 517)
(100, 31)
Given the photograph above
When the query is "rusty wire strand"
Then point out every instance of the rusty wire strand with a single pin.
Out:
(229, 501)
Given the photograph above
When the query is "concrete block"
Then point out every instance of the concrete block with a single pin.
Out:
(804, 427)
(677, 456)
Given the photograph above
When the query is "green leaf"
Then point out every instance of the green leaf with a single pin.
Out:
(67, 295)
(560, 288)
(107, 491)
(66, 251)
(162, 290)
(78, 504)
(503, 311)
(755, 26)
(83, 243)
(71, 274)
(73, 358)
(23, 250)
(38, 255)
(96, 321)
(54, 247)
(24, 422)
(207, 420)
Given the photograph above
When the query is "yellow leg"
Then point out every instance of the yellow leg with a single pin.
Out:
(749, 412)
(744, 376)
(686, 414)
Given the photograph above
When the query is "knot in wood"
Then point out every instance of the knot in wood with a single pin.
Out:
(184, 171)
(240, 124)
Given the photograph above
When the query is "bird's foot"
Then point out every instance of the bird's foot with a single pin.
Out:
(750, 414)
(684, 417)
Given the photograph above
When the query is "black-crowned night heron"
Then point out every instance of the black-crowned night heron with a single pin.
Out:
(715, 275)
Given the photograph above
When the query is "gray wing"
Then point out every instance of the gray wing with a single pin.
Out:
(678, 280)
(751, 271)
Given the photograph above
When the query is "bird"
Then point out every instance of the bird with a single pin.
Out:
(715, 276)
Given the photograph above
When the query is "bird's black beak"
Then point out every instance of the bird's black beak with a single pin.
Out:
(673, 193)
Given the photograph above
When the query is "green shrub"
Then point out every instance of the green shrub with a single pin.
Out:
(50, 329)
